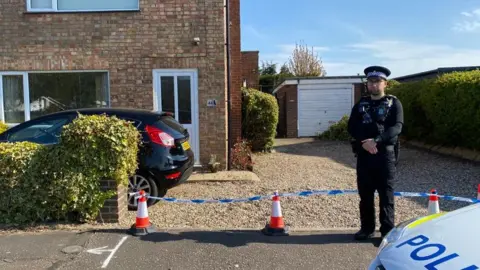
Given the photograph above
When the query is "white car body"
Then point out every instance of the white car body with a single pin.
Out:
(448, 240)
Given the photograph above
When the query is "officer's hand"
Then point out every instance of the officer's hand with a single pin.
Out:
(370, 145)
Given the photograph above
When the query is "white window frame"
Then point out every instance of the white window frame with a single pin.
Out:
(55, 8)
(26, 89)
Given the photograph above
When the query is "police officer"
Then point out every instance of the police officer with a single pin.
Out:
(375, 124)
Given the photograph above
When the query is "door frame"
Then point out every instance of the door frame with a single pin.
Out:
(157, 93)
(26, 94)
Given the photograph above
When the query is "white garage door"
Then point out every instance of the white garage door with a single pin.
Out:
(321, 105)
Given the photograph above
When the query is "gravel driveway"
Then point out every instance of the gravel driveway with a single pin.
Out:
(302, 164)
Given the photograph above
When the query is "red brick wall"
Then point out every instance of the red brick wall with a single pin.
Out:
(250, 71)
(360, 90)
(236, 72)
(129, 45)
(288, 111)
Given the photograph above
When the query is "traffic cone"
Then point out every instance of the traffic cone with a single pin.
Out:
(478, 192)
(142, 224)
(276, 227)
(433, 206)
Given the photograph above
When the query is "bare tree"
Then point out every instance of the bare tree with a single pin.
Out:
(304, 62)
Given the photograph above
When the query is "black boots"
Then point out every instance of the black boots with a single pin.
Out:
(363, 235)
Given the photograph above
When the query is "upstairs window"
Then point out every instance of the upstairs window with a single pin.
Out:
(81, 5)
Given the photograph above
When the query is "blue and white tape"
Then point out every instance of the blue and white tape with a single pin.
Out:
(307, 193)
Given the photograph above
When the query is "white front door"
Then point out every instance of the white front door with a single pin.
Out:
(176, 91)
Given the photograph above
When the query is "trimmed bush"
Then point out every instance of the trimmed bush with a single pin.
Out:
(260, 118)
(337, 131)
(3, 127)
(61, 182)
(392, 84)
(443, 110)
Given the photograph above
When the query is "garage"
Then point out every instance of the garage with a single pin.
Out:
(309, 106)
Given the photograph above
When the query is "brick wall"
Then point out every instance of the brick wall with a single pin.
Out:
(360, 90)
(115, 208)
(236, 72)
(288, 116)
(129, 45)
(250, 71)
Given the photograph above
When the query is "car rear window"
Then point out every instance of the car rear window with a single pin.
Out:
(172, 127)
(172, 123)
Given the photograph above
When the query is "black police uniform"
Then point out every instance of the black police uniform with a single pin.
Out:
(381, 120)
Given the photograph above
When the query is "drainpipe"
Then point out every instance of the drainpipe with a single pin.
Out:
(229, 79)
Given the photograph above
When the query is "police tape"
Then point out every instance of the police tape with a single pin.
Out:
(306, 193)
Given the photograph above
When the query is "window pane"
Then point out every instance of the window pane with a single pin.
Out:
(44, 4)
(184, 100)
(44, 132)
(97, 4)
(53, 92)
(168, 98)
(13, 103)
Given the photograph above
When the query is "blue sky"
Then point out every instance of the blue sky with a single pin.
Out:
(348, 35)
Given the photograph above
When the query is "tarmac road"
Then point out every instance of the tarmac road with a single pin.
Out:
(190, 250)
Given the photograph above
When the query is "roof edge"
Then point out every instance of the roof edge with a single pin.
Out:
(438, 70)
(285, 81)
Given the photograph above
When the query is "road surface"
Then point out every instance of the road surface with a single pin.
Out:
(114, 249)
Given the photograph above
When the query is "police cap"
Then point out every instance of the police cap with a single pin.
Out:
(377, 71)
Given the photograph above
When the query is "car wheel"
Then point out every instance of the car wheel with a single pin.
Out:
(141, 181)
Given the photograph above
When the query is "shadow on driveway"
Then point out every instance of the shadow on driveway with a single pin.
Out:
(238, 238)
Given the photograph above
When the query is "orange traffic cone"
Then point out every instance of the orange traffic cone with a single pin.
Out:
(433, 206)
(142, 224)
(276, 227)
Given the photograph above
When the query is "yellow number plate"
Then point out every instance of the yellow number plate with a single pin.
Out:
(186, 145)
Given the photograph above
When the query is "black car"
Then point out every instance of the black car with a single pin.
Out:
(165, 157)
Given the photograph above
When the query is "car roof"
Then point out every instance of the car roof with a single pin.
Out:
(120, 111)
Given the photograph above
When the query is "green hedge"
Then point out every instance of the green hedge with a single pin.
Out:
(3, 127)
(42, 183)
(259, 119)
(337, 131)
(443, 110)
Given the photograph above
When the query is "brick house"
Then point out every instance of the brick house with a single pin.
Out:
(250, 72)
(155, 55)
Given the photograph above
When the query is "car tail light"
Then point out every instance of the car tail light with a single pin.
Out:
(173, 176)
(158, 136)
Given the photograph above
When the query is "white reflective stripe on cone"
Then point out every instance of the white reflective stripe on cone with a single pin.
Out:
(276, 210)
(142, 210)
(433, 207)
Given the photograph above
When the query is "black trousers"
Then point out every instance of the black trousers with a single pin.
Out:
(377, 173)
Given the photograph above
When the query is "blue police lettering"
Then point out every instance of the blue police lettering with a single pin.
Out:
(420, 242)
(412, 243)
(431, 266)
(440, 250)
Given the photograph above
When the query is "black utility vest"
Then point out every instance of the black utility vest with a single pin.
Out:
(374, 114)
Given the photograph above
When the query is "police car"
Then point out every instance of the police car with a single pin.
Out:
(447, 240)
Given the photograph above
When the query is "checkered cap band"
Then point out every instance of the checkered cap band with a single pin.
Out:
(376, 74)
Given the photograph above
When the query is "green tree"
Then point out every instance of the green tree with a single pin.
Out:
(285, 71)
(268, 68)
